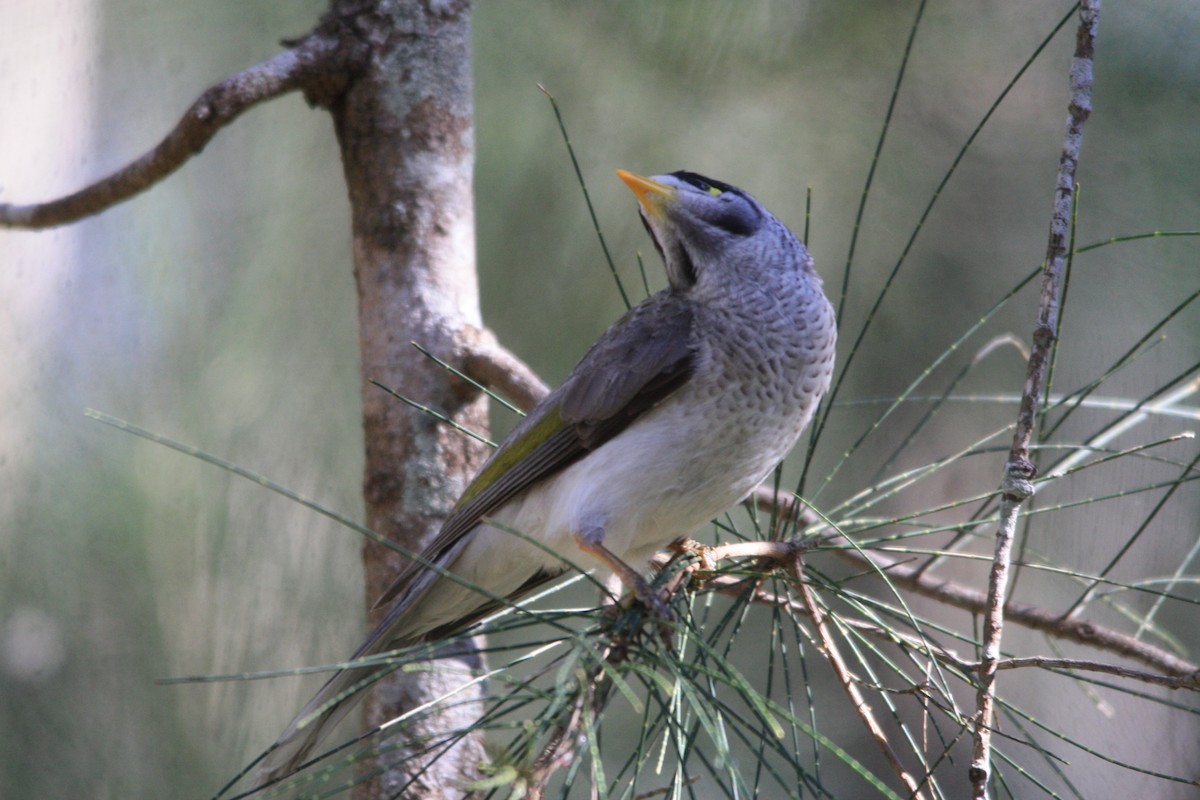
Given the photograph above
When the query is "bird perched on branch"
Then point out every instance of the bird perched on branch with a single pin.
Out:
(674, 415)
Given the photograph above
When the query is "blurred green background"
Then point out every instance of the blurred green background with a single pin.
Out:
(219, 309)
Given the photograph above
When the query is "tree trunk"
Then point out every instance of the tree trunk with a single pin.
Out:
(405, 126)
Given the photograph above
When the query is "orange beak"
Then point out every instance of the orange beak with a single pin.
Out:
(653, 196)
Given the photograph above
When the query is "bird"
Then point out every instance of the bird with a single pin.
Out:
(675, 414)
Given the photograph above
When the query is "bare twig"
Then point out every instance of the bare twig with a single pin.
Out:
(557, 754)
(736, 585)
(316, 64)
(952, 594)
(1019, 470)
(1083, 665)
(1027, 616)
(849, 684)
(487, 361)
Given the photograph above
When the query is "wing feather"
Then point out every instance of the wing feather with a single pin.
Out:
(641, 359)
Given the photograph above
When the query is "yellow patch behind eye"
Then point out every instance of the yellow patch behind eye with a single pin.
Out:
(714, 191)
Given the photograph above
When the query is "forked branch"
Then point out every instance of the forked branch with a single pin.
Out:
(317, 64)
(489, 363)
(850, 685)
(1172, 669)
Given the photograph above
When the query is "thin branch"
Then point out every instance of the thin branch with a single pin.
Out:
(560, 751)
(317, 64)
(557, 754)
(848, 682)
(485, 360)
(1019, 470)
(735, 586)
(1027, 616)
(952, 594)
(1082, 665)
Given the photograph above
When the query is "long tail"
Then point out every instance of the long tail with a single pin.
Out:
(342, 692)
(329, 706)
(428, 609)
(347, 687)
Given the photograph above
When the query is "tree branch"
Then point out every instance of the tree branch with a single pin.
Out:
(1027, 616)
(848, 682)
(1019, 470)
(316, 64)
(1191, 681)
(735, 586)
(489, 363)
(952, 594)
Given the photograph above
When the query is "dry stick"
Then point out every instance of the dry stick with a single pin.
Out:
(949, 593)
(735, 586)
(1175, 673)
(486, 361)
(556, 755)
(848, 682)
(315, 64)
(1027, 616)
(1191, 681)
(1019, 470)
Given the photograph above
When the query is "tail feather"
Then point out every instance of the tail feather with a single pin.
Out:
(429, 608)
(337, 698)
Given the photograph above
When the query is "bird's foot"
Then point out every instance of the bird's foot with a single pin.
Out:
(655, 602)
(706, 556)
(634, 581)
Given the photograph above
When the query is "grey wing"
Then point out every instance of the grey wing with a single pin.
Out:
(640, 360)
(645, 356)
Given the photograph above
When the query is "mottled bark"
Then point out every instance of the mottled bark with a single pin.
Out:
(396, 77)
(405, 128)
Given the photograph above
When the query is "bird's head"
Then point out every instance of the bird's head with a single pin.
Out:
(703, 228)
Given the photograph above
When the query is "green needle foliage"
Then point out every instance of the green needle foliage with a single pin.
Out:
(889, 517)
(739, 695)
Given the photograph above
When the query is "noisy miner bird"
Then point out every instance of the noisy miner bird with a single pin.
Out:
(680, 409)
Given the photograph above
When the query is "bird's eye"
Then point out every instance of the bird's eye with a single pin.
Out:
(701, 183)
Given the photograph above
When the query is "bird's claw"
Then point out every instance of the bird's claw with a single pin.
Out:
(656, 604)
(659, 608)
(705, 555)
